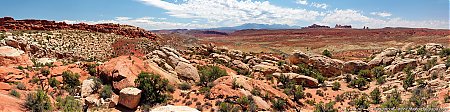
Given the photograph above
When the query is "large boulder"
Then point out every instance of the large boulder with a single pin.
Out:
(87, 87)
(355, 65)
(187, 71)
(130, 97)
(400, 65)
(266, 69)
(384, 58)
(171, 108)
(10, 56)
(327, 66)
(299, 79)
(122, 71)
(434, 48)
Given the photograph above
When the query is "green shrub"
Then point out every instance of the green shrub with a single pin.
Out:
(278, 104)
(21, 86)
(381, 80)
(320, 78)
(184, 86)
(421, 51)
(45, 72)
(106, 92)
(392, 101)
(447, 98)
(38, 102)
(69, 104)
(14, 93)
(362, 102)
(378, 71)
(20, 67)
(299, 94)
(256, 92)
(364, 73)
(319, 92)
(410, 78)
(326, 53)
(375, 95)
(210, 73)
(321, 107)
(97, 82)
(153, 88)
(359, 83)
(429, 64)
(445, 52)
(70, 81)
(336, 86)
(348, 78)
(227, 107)
(53, 82)
(92, 69)
(310, 102)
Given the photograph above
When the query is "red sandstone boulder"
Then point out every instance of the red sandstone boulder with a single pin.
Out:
(130, 97)
(122, 71)
(10, 56)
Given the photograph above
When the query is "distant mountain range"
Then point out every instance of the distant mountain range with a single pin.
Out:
(256, 26)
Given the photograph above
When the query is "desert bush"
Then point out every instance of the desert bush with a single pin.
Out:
(53, 82)
(410, 78)
(69, 104)
(447, 63)
(359, 83)
(326, 53)
(365, 73)
(97, 82)
(392, 101)
(336, 86)
(348, 78)
(45, 72)
(20, 67)
(184, 86)
(445, 52)
(278, 104)
(256, 92)
(153, 88)
(38, 102)
(319, 92)
(298, 93)
(106, 92)
(447, 98)
(375, 95)
(321, 107)
(310, 102)
(92, 69)
(70, 81)
(378, 71)
(246, 103)
(381, 80)
(21, 86)
(227, 107)
(362, 102)
(420, 96)
(310, 71)
(429, 64)
(210, 73)
(14, 93)
(421, 51)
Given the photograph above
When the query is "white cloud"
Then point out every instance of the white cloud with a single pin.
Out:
(358, 20)
(234, 12)
(382, 14)
(319, 5)
(303, 2)
(148, 23)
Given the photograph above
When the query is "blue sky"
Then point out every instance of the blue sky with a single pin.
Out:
(172, 14)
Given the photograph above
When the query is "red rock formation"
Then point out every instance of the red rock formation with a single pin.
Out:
(315, 26)
(338, 26)
(8, 23)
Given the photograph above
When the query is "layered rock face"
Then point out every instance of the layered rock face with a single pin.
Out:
(8, 23)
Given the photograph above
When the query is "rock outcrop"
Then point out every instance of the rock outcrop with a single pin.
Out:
(10, 56)
(171, 108)
(327, 66)
(8, 23)
(299, 79)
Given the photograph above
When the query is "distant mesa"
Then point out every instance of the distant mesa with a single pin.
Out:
(338, 26)
(8, 23)
(316, 26)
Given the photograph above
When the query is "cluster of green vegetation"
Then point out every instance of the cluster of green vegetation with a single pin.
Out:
(445, 52)
(53, 82)
(429, 64)
(410, 77)
(447, 63)
(71, 81)
(278, 104)
(392, 101)
(106, 92)
(375, 95)
(322, 107)
(379, 74)
(310, 71)
(336, 86)
(38, 102)
(359, 82)
(422, 51)
(184, 86)
(153, 88)
(68, 104)
(210, 73)
(327, 53)
(14, 93)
